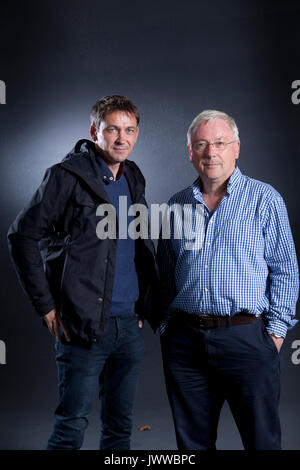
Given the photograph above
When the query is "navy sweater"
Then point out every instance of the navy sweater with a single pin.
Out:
(125, 289)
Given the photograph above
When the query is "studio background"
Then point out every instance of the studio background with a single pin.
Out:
(173, 60)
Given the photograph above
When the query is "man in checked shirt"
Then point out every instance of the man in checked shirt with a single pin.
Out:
(228, 298)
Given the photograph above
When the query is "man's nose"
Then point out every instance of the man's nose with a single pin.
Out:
(121, 136)
(210, 149)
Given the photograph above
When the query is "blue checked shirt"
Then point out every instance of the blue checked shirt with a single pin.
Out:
(240, 258)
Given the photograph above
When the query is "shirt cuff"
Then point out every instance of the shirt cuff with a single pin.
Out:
(278, 327)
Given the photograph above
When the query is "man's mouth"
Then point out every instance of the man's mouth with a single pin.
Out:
(120, 149)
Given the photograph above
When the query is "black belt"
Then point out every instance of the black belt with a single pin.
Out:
(214, 321)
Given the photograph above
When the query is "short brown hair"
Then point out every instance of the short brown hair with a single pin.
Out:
(109, 104)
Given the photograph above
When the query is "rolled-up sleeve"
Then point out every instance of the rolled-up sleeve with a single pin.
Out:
(283, 281)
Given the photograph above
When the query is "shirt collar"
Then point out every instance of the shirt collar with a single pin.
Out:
(232, 183)
(108, 176)
(233, 180)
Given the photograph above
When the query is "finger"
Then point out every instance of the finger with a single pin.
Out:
(66, 332)
(50, 326)
(65, 329)
(56, 330)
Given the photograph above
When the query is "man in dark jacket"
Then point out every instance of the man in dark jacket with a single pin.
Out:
(92, 289)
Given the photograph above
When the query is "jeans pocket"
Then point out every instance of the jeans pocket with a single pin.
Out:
(268, 341)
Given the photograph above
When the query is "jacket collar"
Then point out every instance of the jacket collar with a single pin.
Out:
(83, 161)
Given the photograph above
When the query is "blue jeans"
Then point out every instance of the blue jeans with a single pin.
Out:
(115, 368)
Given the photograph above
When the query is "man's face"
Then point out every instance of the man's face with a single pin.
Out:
(211, 163)
(116, 136)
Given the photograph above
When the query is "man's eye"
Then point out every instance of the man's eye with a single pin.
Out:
(219, 144)
(130, 131)
(111, 129)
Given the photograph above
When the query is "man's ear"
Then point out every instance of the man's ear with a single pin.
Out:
(190, 152)
(93, 132)
(136, 134)
(238, 150)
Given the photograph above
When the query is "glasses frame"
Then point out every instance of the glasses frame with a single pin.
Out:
(213, 145)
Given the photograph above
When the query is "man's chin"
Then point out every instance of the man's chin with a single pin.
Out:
(119, 157)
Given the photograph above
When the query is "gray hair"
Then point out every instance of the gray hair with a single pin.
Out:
(211, 115)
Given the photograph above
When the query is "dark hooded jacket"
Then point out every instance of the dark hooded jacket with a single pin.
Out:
(61, 262)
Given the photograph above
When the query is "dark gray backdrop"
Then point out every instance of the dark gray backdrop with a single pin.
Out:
(173, 60)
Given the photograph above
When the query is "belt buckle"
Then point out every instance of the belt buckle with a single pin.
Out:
(201, 322)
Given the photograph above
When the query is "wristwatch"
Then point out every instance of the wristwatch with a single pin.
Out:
(276, 335)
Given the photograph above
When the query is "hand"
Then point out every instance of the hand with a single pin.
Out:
(141, 321)
(54, 321)
(277, 341)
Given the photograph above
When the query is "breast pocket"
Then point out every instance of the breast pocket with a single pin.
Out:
(84, 199)
(84, 213)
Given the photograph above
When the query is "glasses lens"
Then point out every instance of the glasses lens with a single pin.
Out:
(219, 145)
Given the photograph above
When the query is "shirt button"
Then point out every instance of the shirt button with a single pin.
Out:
(100, 299)
(106, 260)
(206, 290)
(111, 178)
(206, 266)
(208, 243)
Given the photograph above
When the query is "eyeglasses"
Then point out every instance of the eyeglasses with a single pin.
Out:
(202, 145)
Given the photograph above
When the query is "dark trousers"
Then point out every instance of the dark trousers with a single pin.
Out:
(203, 368)
(114, 367)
